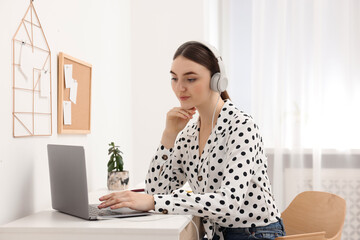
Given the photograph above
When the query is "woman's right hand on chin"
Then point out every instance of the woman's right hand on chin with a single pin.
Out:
(176, 120)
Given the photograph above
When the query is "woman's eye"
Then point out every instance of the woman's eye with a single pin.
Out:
(191, 79)
(173, 79)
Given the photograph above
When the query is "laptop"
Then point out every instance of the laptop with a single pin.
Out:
(69, 192)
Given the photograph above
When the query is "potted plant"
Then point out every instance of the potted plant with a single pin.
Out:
(118, 179)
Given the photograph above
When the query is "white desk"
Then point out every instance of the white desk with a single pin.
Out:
(54, 225)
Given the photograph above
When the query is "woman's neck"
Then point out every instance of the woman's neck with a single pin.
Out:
(206, 111)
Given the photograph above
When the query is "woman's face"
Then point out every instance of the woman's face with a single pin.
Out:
(190, 82)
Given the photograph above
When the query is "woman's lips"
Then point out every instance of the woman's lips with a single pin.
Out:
(184, 98)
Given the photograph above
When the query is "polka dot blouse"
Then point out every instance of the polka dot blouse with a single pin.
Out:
(229, 182)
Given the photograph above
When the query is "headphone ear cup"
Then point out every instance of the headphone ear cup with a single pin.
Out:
(218, 83)
(222, 84)
(214, 82)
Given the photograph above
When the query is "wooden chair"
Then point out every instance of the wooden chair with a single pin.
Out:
(314, 216)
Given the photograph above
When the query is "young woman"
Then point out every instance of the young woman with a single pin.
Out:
(221, 158)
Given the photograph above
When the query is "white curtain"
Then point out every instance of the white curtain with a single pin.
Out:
(295, 66)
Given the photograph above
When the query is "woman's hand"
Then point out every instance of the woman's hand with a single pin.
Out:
(132, 200)
(176, 120)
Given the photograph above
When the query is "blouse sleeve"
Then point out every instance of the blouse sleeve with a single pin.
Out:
(241, 162)
(165, 172)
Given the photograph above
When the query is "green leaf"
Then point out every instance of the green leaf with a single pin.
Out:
(112, 157)
(118, 158)
(119, 163)
(111, 167)
(110, 162)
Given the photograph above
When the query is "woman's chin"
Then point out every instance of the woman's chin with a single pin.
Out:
(186, 105)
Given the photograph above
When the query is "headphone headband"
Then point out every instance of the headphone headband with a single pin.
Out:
(218, 81)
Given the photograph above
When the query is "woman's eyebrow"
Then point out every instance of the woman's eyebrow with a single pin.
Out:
(187, 73)
(190, 73)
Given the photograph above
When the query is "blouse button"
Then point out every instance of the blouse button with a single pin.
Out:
(199, 178)
(164, 157)
(165, 211)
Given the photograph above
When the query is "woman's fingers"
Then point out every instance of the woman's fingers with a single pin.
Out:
(186, 113)
(106, 197)
(136, 201)
(120, 205)
(112, 199)
(182, 115)
(107, 203)
(189, 111)
(173, 115)
(116, 200)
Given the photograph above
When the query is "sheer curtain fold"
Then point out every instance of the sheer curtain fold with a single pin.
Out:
(305, 94)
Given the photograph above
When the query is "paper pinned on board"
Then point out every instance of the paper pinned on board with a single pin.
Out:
(73, 91)
(68, 75)
(67, 113)
(44, 83)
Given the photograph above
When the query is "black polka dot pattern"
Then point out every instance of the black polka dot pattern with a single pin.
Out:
(229, 182)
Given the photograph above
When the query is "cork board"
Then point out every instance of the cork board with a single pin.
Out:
(81, 111)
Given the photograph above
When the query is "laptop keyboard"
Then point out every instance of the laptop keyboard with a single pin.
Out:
(94, 211)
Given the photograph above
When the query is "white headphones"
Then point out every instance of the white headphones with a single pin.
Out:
(219, 81)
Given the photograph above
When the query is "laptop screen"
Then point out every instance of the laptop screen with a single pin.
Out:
(69, 193)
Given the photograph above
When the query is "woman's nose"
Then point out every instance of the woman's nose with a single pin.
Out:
(181, 86)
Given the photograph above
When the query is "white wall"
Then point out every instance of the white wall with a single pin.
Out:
(97, 32)
(158, 27)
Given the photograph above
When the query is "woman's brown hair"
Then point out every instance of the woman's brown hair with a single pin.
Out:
(199, 53)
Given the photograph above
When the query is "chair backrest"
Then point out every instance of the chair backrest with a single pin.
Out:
(314, 211)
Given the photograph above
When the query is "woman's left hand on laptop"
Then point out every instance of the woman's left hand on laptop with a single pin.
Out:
(130, 199)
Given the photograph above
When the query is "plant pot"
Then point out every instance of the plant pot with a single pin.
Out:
(118, 180)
